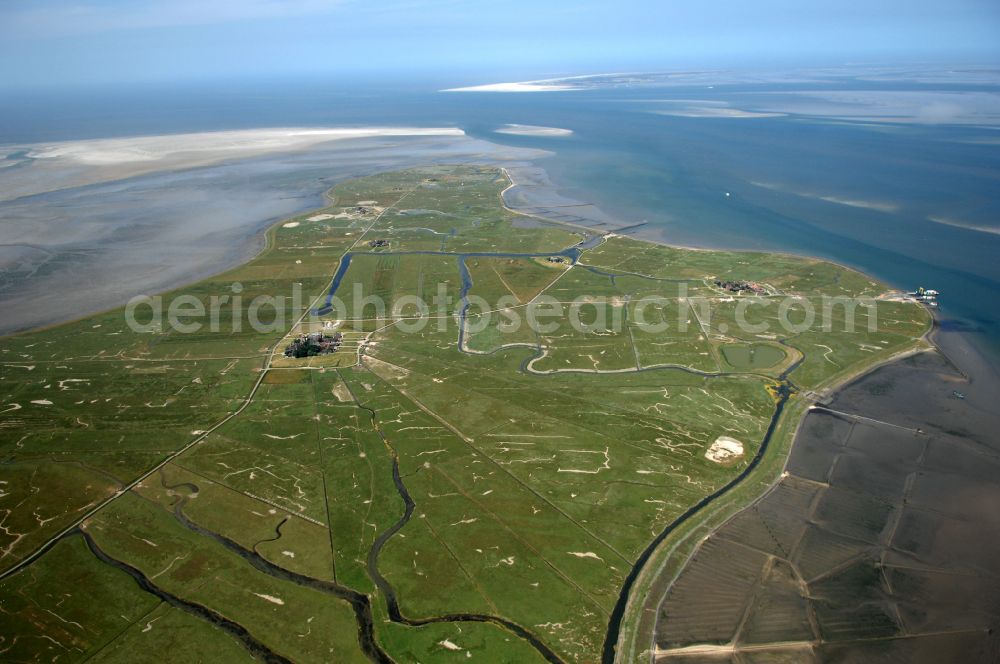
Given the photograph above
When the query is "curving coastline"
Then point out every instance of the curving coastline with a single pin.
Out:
(616, 624)
(619, 645)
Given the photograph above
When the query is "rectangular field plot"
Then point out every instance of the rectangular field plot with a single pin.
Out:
(573, 351)
(520, 278)
(674, 348)
(715, 591)
(490, 332)
(375, 283)
(71, 608)
(199, 569)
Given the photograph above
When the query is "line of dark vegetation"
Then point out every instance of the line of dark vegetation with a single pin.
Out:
(234, 629)
(358, 601)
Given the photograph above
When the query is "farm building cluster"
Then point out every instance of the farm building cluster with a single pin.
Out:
(316, 343)
(741, 287)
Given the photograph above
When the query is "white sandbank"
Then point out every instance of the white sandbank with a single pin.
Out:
(52, 166)
(947, 221)
(718, 112)
(524, 86)
(881, 206)
(580, 82)
(215, 145)
(532, 130)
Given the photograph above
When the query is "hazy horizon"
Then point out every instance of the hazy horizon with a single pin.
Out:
(83, 43)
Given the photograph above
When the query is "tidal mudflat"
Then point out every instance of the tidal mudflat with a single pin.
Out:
(75, 250)
(878, 543)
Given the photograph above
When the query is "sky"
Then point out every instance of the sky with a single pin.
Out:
(88, 42)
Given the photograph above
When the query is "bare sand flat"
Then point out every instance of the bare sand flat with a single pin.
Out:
(947, 221)
(880, 206)
(579, 82)
(77, 163)
(524, 86)
(715, 112)
(533, 130)
(213, 145)
(724, 450)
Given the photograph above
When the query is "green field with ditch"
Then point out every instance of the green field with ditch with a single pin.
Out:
(474, 488)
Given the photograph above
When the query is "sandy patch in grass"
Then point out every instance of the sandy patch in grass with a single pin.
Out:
(585, 554)
(385, 370)
(341, 393)
(271, 598)
(290, 224)
(320, 217)
(724, 450)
